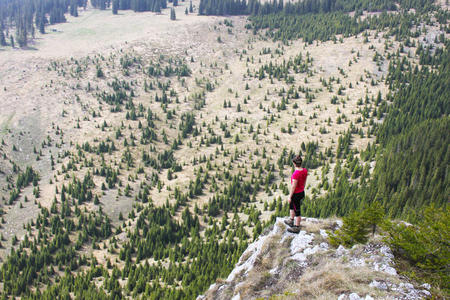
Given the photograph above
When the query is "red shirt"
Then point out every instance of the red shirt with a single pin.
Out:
(300, 176)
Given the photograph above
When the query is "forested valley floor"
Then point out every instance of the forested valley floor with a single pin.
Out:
(141, 164)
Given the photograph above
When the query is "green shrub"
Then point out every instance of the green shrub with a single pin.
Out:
(357, 226)
(425, 245)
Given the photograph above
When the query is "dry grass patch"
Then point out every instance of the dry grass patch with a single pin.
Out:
(311, 227)
(331, 278)
(269, 259)
(259, 277)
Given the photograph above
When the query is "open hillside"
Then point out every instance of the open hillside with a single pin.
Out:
(141, 155)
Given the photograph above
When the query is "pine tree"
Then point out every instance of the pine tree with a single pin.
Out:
(21, 34)
(42, 25)
(2, 37)
(175, 3)
(353, 231)
(115, 5)
(373, 215)
(172, 14)
(157, 7)
(424, 245)
(99, 72)
(74, 8)
(191, 8)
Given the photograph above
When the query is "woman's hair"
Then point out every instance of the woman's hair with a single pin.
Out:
(297, 161)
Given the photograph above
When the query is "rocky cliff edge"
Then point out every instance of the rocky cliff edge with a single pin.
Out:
(283, 265)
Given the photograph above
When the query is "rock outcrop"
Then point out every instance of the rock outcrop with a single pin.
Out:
(304, 266)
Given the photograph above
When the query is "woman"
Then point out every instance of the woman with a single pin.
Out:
(298, 180)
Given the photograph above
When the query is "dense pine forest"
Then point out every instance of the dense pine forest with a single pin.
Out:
(175, 246)
(281, 9)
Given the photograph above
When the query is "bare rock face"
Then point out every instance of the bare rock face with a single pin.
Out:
(304, 266)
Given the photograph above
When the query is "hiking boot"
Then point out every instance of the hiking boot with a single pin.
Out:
(294, 229)
(289, 222)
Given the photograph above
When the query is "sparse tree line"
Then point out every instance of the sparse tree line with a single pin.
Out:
(23, 180)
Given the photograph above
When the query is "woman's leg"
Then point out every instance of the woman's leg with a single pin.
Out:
(290, 222)
(297, 204)
(297, 220)
(300, 198)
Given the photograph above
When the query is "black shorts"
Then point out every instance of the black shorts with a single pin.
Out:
(296, 202)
